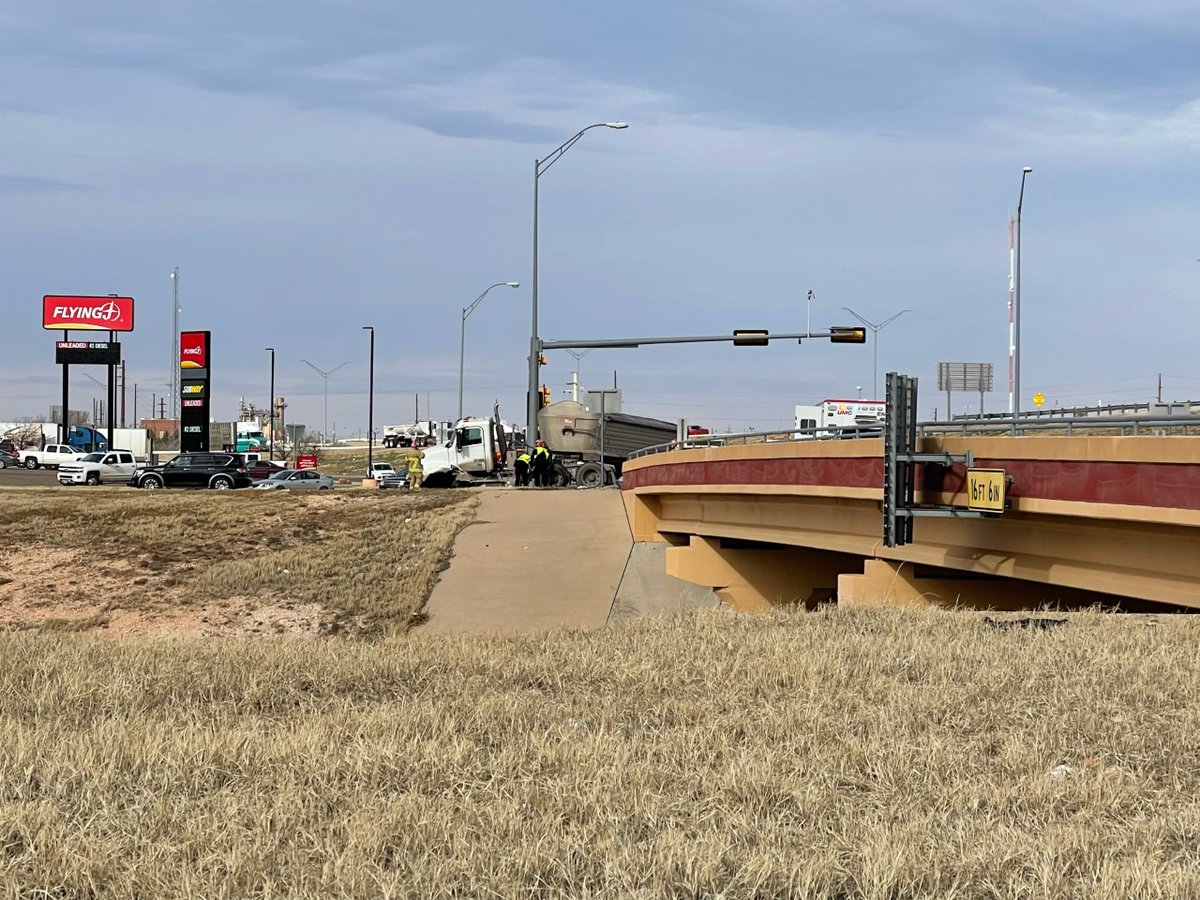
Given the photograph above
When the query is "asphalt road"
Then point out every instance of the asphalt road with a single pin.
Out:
(22, 477)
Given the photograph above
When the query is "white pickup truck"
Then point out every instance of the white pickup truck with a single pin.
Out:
(386, 476)
(111, 466)
(51, 456)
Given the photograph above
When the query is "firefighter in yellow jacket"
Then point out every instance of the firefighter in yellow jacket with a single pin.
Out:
(521, 468)
(542, 467)
(415, 472)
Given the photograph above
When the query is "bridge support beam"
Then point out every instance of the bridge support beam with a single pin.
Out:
(891, 583)
(756, 578)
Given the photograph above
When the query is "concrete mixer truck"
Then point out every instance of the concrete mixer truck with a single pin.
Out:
(476, 451)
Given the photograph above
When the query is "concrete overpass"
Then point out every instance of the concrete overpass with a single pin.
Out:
(1091, 518)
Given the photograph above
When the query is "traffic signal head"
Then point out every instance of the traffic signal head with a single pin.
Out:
(543, 397)
(541, 359)
(750, 338)
(844, 334)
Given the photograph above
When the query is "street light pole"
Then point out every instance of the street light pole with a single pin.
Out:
(271, 402)
(540, 167)
(1014, 401)
(175, 343)
(579, 355)
(462, 336)
(325, 375)
(875, 344)
(371, 404)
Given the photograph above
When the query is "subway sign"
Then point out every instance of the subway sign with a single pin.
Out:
(62, 312)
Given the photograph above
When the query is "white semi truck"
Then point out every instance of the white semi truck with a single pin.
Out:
(476, 451)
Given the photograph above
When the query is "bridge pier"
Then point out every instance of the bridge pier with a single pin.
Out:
(752, 577)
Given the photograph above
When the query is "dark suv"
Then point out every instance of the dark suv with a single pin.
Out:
(220, 471)
(8, 454)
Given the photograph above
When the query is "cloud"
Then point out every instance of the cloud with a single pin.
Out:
(29, 184)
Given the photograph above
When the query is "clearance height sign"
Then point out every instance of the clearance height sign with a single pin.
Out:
(194, 393)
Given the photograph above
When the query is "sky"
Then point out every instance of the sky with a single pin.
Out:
(312, 168)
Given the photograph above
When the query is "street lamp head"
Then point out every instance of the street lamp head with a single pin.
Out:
(513, 284)
(368, 328)
(617, 124)
(272, 349)
(1027, 169)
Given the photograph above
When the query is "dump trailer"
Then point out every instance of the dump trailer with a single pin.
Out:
(573, 434)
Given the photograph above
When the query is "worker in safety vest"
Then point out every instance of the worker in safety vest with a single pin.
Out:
(415, 471)
(521, 468)
(542, 464)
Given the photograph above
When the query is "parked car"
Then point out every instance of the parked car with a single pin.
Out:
(8, 454)
(220, 471)
(387, 476)
(295, 480)
(110, 466)
(262, 468)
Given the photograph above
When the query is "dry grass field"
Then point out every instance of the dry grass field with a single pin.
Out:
(838, 754)
(885, 754)
(202, 562)
(354, 462)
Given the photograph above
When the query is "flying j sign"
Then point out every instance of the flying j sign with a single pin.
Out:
(193, 350)
(87, 313)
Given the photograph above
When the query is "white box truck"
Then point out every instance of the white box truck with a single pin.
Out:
(840, 418)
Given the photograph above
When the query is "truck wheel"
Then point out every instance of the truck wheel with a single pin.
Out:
(93, 479)
(221, 483)
(590, 475)
(151, 482)
(31, 463)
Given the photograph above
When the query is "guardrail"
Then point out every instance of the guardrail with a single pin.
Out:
(1183, 407)
(989, 426)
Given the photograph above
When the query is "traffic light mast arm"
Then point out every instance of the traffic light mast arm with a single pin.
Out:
(836, 334)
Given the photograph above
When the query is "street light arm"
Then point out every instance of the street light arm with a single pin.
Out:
(888, 321)
(870, 325)
(556, 154)
(322, 372)
(467, 310)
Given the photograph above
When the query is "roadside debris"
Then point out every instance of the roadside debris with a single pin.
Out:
(1030, 622)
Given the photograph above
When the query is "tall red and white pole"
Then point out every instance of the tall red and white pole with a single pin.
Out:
(1012, 331)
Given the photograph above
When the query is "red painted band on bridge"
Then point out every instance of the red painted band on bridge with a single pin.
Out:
(1161, 485)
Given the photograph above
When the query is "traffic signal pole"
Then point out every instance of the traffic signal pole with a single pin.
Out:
(836, 334)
